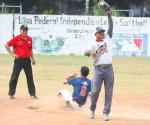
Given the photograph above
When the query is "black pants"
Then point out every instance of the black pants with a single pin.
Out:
(19, 64)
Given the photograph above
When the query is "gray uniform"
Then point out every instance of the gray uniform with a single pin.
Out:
(103, 71)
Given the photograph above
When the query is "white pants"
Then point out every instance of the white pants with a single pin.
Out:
(68, 97)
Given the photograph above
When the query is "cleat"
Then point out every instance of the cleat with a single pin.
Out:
(105, 117)
(92, 114)
(11, 97)
(34, 97)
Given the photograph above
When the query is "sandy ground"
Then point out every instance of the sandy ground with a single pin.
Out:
(51, 110)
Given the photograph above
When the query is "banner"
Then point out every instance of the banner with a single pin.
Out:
(65, 34)
(6, 30)
(58, 34)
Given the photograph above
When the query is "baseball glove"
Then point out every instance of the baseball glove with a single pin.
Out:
(104, 5)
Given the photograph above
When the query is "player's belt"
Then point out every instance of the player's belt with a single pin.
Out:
(104, 65)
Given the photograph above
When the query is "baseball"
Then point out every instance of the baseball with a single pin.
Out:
(101, 3)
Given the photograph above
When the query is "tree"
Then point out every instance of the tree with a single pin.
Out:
(145, 11)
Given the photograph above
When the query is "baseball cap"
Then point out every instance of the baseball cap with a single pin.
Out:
(84, 70)
(24, 27)
(99, 30)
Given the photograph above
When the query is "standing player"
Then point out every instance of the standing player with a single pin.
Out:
(101, 51)
(81, 88)
(22, 46)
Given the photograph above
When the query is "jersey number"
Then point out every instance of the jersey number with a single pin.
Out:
(83, 90)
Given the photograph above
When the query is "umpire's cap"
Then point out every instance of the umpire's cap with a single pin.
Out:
(23, 27)
(99, 30)
(84, 70)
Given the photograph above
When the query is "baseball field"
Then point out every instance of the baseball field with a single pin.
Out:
(131, 100)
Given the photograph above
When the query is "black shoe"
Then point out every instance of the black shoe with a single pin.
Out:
(68, 105)
(59, 94)
(11, 97)
(34, 97)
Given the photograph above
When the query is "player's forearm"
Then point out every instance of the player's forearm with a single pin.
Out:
(90, 53)
(71, 76)
(87, 53)
(32, 56)
(8, 50)
(110, 25)
(65, 81)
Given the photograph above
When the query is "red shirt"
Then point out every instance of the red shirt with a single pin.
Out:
(22, 47)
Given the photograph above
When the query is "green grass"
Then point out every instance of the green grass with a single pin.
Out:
(132, 74)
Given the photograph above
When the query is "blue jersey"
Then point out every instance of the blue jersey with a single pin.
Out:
(81, 89)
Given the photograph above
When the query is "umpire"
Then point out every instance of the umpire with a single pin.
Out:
(23, 54)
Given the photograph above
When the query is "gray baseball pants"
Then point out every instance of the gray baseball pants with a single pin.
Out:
(102, 73)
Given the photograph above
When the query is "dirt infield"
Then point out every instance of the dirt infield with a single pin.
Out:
(50, 110)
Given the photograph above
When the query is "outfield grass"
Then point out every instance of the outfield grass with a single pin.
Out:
(132, 74)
